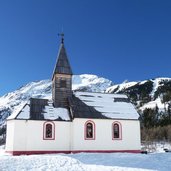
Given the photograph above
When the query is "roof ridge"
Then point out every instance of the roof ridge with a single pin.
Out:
(98, 93)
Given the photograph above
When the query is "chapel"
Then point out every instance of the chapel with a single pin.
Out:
(72, 122)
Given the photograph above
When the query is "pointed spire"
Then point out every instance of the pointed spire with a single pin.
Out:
(62, 65)
(62, 37)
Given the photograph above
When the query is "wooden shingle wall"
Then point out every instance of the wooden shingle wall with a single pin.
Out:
(61, 94)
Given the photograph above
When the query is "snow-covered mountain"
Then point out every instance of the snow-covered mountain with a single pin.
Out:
(42, 89)
(144, 94)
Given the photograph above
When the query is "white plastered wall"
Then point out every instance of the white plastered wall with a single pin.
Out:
(28, 136)
(103, 138)
(10, 135)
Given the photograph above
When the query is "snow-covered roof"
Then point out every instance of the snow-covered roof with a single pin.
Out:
(51, 113)
(22, 111)
(40, 109)
(82, 105)
(115, 106)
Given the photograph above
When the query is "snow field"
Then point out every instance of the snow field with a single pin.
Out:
(158, 160)
(54, 163)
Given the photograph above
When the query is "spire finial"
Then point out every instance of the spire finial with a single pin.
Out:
(62, 37)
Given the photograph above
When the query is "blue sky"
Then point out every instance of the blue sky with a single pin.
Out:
(116, 39)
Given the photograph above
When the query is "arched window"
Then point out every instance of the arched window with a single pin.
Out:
(48, 131)
(116, 131)
(89, 130)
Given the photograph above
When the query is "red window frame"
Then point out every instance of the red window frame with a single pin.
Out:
(51, 126)
(93, 130)
(120, 130)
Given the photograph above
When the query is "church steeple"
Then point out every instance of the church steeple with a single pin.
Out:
(62, 64)
(62, 78)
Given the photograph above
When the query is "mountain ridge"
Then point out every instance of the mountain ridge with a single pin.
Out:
(10, 102)
(143, 94)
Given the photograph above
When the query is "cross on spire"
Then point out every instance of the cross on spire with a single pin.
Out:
(62, 37)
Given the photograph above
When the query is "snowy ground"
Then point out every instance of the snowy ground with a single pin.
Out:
(86, 162)
(57, 163)
(153, 161)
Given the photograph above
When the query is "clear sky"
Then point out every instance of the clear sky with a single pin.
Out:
(116, 39)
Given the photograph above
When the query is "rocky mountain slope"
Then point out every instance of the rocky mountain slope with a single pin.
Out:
(144, 94)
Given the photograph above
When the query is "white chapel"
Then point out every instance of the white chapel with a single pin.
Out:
(72, 122)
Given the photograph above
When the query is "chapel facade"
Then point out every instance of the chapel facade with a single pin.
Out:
(73, 121)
